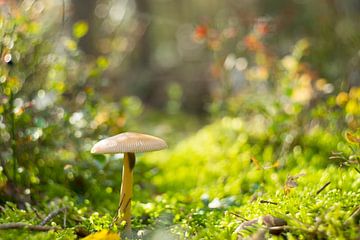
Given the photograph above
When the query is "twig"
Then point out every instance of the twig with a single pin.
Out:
(239, 216)
(13, 137)
(65, 213)
(36, 212)
(322, 188)
(354, 214)
(265, 201)
(52, 215)
(274, 228)
(116, 217)
(27, 226)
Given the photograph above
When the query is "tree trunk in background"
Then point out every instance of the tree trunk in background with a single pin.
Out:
(141, 75)
(143, 46)
(146, 78)
(84, 10)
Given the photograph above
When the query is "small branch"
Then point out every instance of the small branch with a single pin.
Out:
(354, 214)
(322, 188)
(26, 226)
(52, 215)
(239, 216)
(116, 217)
(284, 228)
(64, 221)
(309, 231)
(36, 212)
(265, 201)
(13, 137)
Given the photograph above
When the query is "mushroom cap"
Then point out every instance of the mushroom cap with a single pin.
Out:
(129, 142)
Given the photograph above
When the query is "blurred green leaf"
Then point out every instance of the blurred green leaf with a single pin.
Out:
(102, 63)
(80, 29)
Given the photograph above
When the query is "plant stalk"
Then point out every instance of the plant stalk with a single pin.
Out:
(124, 213)
(13, 140)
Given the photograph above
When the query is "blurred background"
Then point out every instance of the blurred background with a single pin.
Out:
(195, 52)
(160, 49)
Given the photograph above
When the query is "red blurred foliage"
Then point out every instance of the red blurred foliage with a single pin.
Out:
(11, 3)
(215, 70)
(201, 32)
(253, 43)
(262, 28)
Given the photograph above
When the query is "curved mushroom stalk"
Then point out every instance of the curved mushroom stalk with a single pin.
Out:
(124, 212)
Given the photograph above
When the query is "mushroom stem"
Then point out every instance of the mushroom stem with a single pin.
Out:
(124, 213)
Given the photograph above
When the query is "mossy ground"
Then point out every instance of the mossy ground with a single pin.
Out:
(206, 185)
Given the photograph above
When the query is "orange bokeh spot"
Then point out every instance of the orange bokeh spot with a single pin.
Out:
(200, 32)
(262, 28)
(252, 43)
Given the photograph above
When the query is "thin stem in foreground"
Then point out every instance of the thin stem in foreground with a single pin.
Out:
(13, 140)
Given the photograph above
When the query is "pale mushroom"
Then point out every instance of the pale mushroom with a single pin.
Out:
(128, 143)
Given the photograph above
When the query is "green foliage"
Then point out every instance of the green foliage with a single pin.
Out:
(216, 182)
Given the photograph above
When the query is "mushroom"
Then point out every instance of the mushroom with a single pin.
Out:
(128, 143)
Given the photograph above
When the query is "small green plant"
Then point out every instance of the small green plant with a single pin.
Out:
(352, 158)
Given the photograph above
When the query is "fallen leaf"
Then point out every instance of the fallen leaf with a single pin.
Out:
(102, 235)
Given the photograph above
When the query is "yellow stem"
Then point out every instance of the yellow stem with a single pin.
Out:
(124, 213)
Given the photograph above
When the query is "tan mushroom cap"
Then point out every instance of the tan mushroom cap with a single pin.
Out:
(129, 142)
